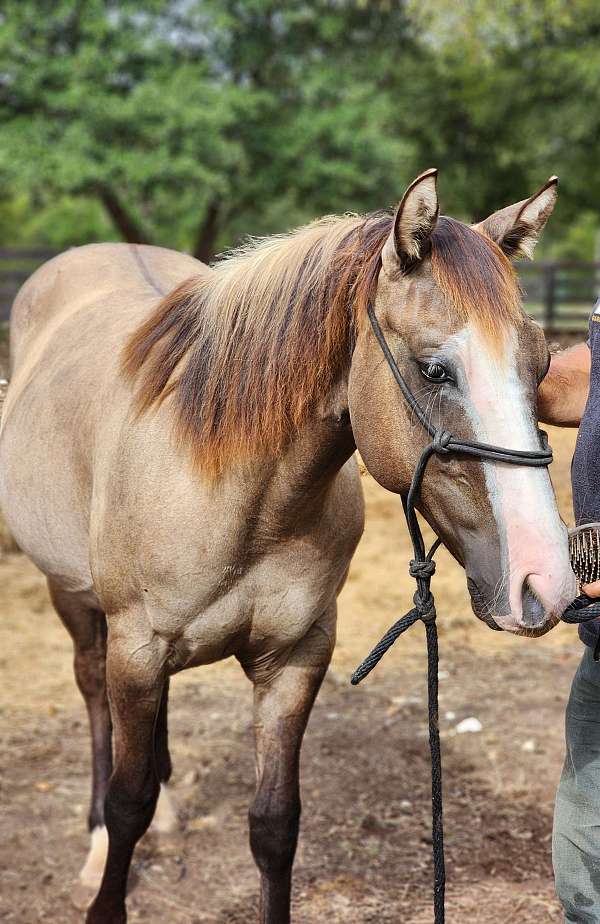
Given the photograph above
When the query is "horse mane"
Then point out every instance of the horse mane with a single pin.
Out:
(250, 346)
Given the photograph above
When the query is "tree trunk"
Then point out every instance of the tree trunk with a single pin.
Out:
(130, 230)
(204, 248)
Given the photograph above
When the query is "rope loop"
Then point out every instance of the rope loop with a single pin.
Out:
(441, 441)
(421, 569)
(581, 609)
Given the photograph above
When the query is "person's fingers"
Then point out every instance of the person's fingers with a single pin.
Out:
(592, 590)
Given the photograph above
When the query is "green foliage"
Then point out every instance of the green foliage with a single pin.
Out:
(191, 123)
(61, 221)
(520, 101)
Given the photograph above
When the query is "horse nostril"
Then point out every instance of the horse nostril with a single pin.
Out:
(534, 614)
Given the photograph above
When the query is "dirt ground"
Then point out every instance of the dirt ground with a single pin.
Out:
(364, 852)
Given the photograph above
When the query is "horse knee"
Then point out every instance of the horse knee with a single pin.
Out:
(274, 834)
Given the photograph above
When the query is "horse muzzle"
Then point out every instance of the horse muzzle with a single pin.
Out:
(531, 606)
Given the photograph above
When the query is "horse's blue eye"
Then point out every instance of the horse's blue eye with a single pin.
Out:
(434, 372)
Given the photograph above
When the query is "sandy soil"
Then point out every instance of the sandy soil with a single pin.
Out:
(364, 853)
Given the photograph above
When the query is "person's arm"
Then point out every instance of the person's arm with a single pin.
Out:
(563, 392)
(561, 399)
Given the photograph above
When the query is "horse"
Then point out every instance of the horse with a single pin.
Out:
(177, 456)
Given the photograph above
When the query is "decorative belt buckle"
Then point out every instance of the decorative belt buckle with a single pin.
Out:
(584, 549)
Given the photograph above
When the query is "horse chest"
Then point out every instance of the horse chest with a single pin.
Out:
(228, 574)
(265, 609)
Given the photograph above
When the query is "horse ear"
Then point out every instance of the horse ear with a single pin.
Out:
(516, 228)
(413, 223)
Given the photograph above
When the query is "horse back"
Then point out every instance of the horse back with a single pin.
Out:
(69, 324)
(85, 276)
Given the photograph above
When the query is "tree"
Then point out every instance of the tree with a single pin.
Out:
(195, 122)
(98, 101)
(191, 123)
(519, 100)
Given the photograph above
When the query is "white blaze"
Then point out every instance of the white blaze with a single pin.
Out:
(521, 497)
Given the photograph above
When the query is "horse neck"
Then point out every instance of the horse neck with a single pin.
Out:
(304, 473)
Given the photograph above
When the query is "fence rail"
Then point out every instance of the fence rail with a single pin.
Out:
(16, 265)
(559, 295)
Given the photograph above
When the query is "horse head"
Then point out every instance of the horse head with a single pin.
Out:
(448, 302)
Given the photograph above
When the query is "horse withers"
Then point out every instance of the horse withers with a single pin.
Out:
(177, 456)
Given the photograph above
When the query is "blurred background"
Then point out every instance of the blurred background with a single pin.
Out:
(192, 123)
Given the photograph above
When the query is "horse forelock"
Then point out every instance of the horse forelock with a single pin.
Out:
(477, 279)
(246, 350)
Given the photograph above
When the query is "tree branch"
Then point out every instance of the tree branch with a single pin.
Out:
(204, 248)
(129, 228)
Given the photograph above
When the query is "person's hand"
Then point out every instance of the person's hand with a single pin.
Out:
(592, 590)
(564, 390)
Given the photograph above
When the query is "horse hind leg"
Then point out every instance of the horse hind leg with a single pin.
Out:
(86, 624)
(165, 817)
(136, 682)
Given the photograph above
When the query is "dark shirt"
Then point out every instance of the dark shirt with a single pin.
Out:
(585, 470)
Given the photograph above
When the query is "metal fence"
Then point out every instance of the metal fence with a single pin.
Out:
(15, 267)
(559, 295)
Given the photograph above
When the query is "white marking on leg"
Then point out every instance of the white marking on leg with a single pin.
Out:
(165, 817)
(93, 868)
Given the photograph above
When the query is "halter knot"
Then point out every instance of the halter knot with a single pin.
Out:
(441, 441)
(425, 606)
(421, 569)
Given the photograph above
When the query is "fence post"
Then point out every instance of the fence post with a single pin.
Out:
(549, 295)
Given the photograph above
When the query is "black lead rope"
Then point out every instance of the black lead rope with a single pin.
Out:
(422, 569)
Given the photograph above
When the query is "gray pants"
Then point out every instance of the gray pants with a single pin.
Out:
(576, 842)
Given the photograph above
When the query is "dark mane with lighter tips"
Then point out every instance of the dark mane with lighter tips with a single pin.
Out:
(248, 348)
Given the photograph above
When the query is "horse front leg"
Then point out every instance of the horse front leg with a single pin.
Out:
(282, 706)
(136, 685)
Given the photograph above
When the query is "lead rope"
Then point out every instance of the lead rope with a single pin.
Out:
(422, 569)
